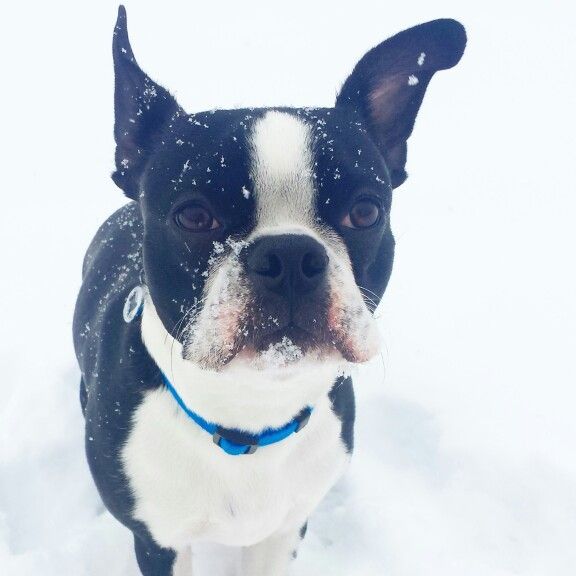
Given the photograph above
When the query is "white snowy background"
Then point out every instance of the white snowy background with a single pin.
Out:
(466, 436)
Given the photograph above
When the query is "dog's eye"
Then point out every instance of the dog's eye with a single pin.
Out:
(363, 214)
(195, 218)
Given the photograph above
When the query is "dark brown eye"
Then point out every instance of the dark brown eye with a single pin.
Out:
(363, 214)
(195, 218)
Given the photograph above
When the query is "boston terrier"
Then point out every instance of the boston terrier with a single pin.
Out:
(222, 308)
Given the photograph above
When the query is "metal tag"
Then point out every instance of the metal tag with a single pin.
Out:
(134, 304)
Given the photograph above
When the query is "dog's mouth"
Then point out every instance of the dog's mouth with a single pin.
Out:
(338, 335)
(277, 350)
(261, 345)
(300, 337)
(282, 347)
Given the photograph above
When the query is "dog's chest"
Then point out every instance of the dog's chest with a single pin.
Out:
(187, 489)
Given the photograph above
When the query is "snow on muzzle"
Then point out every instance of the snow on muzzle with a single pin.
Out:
(279, 297)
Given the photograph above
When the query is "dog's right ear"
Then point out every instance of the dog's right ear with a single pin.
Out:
(142, 109)
(388, 85)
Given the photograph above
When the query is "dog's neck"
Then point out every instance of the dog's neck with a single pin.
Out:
(239, 396)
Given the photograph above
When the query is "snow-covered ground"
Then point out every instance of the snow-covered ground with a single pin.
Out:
(466, 458)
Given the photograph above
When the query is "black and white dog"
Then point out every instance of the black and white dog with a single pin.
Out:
(222, 307)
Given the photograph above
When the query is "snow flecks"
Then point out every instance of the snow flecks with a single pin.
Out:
(421, 58)
(279, 354)
(185, 168)
(150, 92)
(218, 247)
(412, 80)
(236, 245)
(245, 192)
(215, 257)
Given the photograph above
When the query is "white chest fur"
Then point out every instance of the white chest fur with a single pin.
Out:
(187, 489)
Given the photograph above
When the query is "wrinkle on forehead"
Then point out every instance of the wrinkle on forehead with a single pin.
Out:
(282, 170)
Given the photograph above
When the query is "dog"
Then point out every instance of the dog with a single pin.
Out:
(222, 308)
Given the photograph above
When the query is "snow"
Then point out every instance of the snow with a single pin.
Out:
(279, 354)
(465, 460)
(412, 80)
(218, 247)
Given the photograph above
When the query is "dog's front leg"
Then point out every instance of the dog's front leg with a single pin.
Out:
(272, 556)
(156, 561)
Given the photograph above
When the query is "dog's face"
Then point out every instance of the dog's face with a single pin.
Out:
(263, 228)
(267, 231)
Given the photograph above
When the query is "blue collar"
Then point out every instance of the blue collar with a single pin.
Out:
(234, 442)
(238, 442)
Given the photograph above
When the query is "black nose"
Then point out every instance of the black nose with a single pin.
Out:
(288, 264)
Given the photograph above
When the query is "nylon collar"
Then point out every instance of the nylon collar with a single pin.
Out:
(237, 442)
(233, 442)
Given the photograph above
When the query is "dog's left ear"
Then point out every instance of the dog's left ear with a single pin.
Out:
(142, 109)
(388, 84)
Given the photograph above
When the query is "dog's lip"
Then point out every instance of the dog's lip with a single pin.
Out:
(290, 338)
(297, 334)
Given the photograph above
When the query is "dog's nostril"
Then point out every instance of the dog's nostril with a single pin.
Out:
(314, 263)
(270, 265)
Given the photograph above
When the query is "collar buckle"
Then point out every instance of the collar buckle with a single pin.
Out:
(231, 447)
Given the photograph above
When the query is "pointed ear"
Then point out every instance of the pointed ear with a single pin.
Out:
(388, 84)
(142, 109)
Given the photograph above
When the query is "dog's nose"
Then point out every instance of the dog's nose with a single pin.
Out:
(287, 264)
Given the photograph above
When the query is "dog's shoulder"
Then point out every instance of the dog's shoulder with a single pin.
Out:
(120, 236)
(112, 267)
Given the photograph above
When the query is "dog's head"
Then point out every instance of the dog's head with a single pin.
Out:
(267, 233)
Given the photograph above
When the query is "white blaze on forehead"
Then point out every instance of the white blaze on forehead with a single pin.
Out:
(282, 167)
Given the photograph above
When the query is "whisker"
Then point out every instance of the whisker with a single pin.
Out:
(370, 304)
(365, 292)
(369, 291)
(178, 330)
